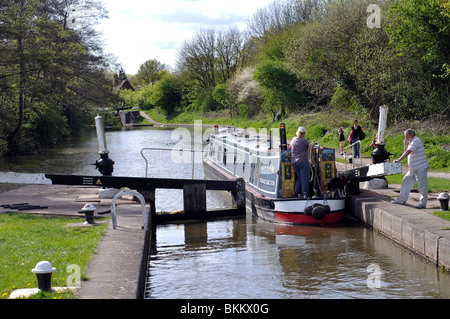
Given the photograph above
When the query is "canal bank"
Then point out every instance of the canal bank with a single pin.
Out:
(418, 230)
(118, 267)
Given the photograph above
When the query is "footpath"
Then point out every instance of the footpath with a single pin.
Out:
(118, 267)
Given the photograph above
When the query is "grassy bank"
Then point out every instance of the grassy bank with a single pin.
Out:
(27, 239)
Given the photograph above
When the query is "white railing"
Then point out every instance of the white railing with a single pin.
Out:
(171, 150)
(238, 156)
(353, 154)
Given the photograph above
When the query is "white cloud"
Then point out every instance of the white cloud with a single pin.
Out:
(139, 30)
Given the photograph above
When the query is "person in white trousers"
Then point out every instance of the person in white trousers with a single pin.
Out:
(418, 170)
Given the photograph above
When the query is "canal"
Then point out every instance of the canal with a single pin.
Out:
(244, 257)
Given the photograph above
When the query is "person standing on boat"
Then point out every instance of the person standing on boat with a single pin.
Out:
(299, 159)
(418, 169)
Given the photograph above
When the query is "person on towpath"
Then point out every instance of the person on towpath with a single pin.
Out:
(418, 169)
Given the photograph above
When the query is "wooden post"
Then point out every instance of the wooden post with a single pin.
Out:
(194, 197)
(239, 195)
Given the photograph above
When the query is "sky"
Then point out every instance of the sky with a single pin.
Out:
(141, 30)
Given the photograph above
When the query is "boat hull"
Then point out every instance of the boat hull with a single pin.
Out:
(283, 211)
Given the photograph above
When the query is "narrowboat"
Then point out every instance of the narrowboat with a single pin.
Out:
(265, 165)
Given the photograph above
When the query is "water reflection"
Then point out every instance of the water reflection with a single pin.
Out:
(256, 259)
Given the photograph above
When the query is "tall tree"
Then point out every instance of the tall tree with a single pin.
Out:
(149, 72)
(45, 65)
(196, 58)
(423, 25)
(211, 58)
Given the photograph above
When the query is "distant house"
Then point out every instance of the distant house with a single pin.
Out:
(121, 85)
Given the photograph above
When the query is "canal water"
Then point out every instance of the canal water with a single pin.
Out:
(244, 257)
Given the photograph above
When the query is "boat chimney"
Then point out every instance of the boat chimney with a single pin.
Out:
(283, 139)
(270, 139)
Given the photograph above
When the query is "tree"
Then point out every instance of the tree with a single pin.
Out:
(149, 72)
(231, 52)
(167, 93)
(245, 94)
(423, 25)
(338, 50)
(211, 58)
(281, 91)
(196, 59)
(330, 50)
(280, 14)
(45, 65)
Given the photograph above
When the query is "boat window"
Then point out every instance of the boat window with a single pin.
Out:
(225, 156)
(218, 154)
(212, 151)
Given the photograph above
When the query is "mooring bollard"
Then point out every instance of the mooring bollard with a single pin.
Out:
(443, 199)
(44, 271)
(88, 210)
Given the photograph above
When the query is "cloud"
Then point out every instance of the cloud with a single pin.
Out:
(197, 18)
(140, 30)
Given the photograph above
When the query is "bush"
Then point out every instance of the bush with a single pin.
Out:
(51, 127)
(221, 96)
(3, 147)
(316, 132)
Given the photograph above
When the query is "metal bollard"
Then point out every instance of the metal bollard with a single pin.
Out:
(44, 271)
(88, 210)
(443, 199)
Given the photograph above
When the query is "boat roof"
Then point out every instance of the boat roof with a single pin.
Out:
(250, 138)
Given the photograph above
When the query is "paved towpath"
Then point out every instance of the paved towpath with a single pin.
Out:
(119, 264)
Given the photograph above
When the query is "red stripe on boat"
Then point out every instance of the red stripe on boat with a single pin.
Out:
(301, 219)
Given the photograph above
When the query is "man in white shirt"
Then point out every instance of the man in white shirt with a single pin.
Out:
(418, 169)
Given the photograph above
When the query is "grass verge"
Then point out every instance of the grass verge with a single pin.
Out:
(435, 184)
(444, 215)
(27, 239)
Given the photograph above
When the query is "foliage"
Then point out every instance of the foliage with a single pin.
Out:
(210, 58)
(344, 100)
(221, 95)
(204, 102)
(51, 127)
(149, 73)
(167, 93)
(423, 25)
(281, 92)
(246, 95)
(48, 67)
(140, 98)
